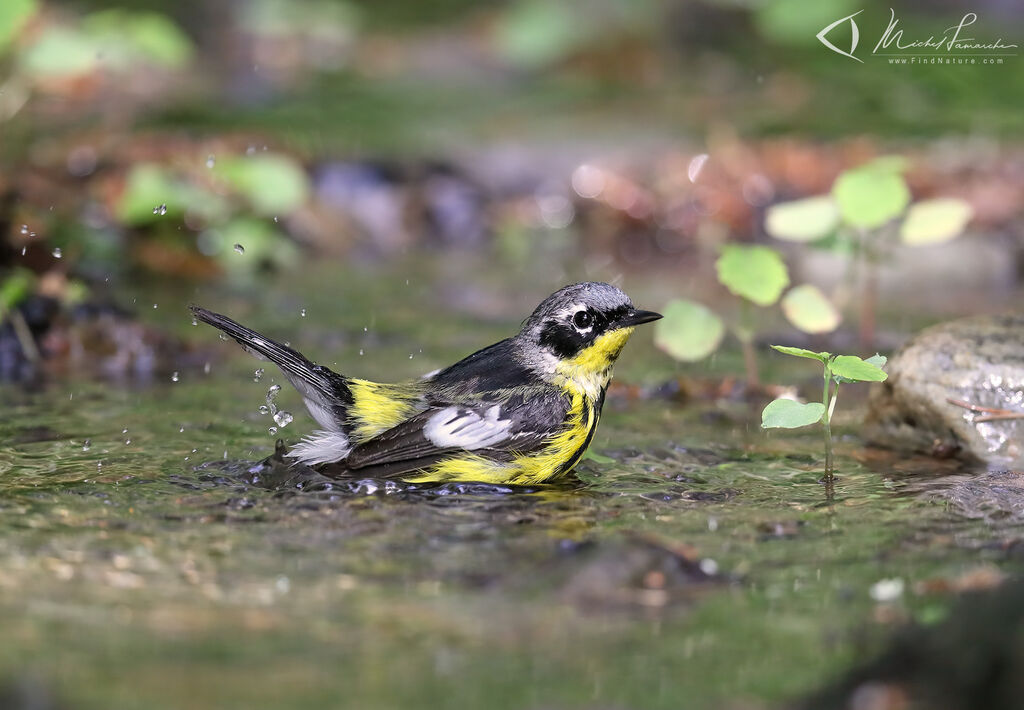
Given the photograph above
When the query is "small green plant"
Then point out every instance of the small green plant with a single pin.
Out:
(838, 369)
(757, 276)
(867, 211)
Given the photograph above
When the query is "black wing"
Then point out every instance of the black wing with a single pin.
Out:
(326, 392)
(494, 368)
(496, 430)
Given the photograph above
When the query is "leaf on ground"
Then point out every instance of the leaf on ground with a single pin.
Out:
(804, 220)
(13, 16)
(935, 221)
(273, 184)
(755, 273)
(871, 195)
(688, 331)
(808, 309)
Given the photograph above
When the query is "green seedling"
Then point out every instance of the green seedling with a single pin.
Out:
(838, 370)
(757, 276)
(868, 210)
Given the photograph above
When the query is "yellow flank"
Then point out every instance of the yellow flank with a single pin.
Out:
(562, 452)
(377, 407)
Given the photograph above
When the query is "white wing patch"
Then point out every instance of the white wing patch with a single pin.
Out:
(455, 427)
(324, 415)
(321, 447)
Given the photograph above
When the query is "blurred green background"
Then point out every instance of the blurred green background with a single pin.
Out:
(390, 185)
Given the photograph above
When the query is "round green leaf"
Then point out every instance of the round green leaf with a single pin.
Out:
(262, 244)
(857, 370)
(796, 22)
(871, 195)
(788, 414)
(273, 184)
(13, 16)
(149, 186)
(935, 221)
(534, 32)
(808, 309)
(60, 52)
(128, 37)
(753, 272)
(688, 331)
(16, 288)
(800, 352)
(804, 220)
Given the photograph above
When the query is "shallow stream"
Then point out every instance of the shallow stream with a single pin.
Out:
(694, 562)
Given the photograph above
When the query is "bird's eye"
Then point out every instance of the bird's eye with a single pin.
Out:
(583, 320)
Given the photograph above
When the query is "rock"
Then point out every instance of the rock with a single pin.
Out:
(993, 495)
(974, 659)
(977, 361)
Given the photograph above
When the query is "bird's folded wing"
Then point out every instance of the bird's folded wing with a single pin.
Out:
(495, 430)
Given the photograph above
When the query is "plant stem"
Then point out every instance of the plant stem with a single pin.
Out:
(745, 334)
(827, 424)
(869, 293)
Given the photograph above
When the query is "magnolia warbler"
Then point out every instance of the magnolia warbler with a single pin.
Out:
(521, 411)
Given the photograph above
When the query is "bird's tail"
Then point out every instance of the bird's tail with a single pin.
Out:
(326, 392)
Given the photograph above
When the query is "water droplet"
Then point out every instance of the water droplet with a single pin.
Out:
(23, 250)
(283, 418)
(271, 395)
(181, 430)
(174, 376)
(696, 165)
(410, 356)
(210, 160)
(275, 218)
(87, 444)
(239, 248)
(257, 375)
(360, 351)
(124, 431)
(303, 313)
(154, 306)
(206, 368)
(127, 442)
(160, 210)
(57, 253)
(272, 430)
(195, 321)
(24, 229)
(264, 409)
(251, 150)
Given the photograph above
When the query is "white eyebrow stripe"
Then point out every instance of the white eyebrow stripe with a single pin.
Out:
(453, 427)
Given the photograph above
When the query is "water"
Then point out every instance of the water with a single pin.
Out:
(145, 561)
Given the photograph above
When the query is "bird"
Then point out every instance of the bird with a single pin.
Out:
(522, 411)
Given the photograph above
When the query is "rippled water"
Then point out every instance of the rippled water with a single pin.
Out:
(704, 566)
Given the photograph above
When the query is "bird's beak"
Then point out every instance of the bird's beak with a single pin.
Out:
(636, 318)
